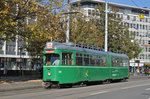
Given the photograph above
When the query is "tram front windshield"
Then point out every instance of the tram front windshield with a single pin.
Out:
(52, 59)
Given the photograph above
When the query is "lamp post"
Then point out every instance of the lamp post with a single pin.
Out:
(67, 33)
(68, 19)
(23, 63)
(20, 49)
(106, 28)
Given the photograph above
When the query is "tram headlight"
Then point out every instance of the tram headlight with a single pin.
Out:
(49, 74)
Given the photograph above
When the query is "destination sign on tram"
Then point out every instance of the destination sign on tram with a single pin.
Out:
(49, 51)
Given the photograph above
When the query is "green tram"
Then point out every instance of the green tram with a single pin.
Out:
(69, 63)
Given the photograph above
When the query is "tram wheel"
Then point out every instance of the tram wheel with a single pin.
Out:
(47, 85)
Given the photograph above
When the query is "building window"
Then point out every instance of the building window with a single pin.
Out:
(118, 15)
(143, 42)
(137, 33)
(148, 56)
(128, 17)
(137, 26)
(148, 49)
(89, 12)
(134, 26)
(146, 19)
(131, 25)
(128, 25)
(149, 42)
(143, 27)
(146, 27)
(134, 18)
(93, 12)
(140, 26)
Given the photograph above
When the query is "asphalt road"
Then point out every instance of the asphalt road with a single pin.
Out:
(133, 89)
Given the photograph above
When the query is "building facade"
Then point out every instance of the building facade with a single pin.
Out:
(131, 18)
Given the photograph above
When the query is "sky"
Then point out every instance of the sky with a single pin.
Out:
(136, 3)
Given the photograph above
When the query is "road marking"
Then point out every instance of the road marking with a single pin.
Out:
(135, 86)
(99, 92)
(148, 89)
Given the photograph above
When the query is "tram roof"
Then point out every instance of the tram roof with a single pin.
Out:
(72, 46)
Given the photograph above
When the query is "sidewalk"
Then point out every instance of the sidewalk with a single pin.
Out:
(18, 83)
(138, 76)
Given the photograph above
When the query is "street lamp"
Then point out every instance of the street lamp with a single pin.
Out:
(68, 19)
(23, 63)
(106, 28)
(68, 25)
(20, 50)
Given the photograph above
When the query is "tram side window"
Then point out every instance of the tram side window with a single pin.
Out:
(97, 61)
(114, 62)
(86, 60)
(67, 59)
(92, 60)
(125, 62)
(103, 58)
(79, 59)
(119, 62)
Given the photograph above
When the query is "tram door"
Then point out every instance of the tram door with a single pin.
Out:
(86, 62)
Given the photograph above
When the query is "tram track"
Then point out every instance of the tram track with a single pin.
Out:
(69, 92)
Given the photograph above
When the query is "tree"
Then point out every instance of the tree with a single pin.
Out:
(13, 15)
(84, 31)
(92, 32)
(33, 21)
(46, 28)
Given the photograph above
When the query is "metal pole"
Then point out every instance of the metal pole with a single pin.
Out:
(20, 62)
(68, 19)
(106, 28)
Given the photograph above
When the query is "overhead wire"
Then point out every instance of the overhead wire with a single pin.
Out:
(134, 3)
